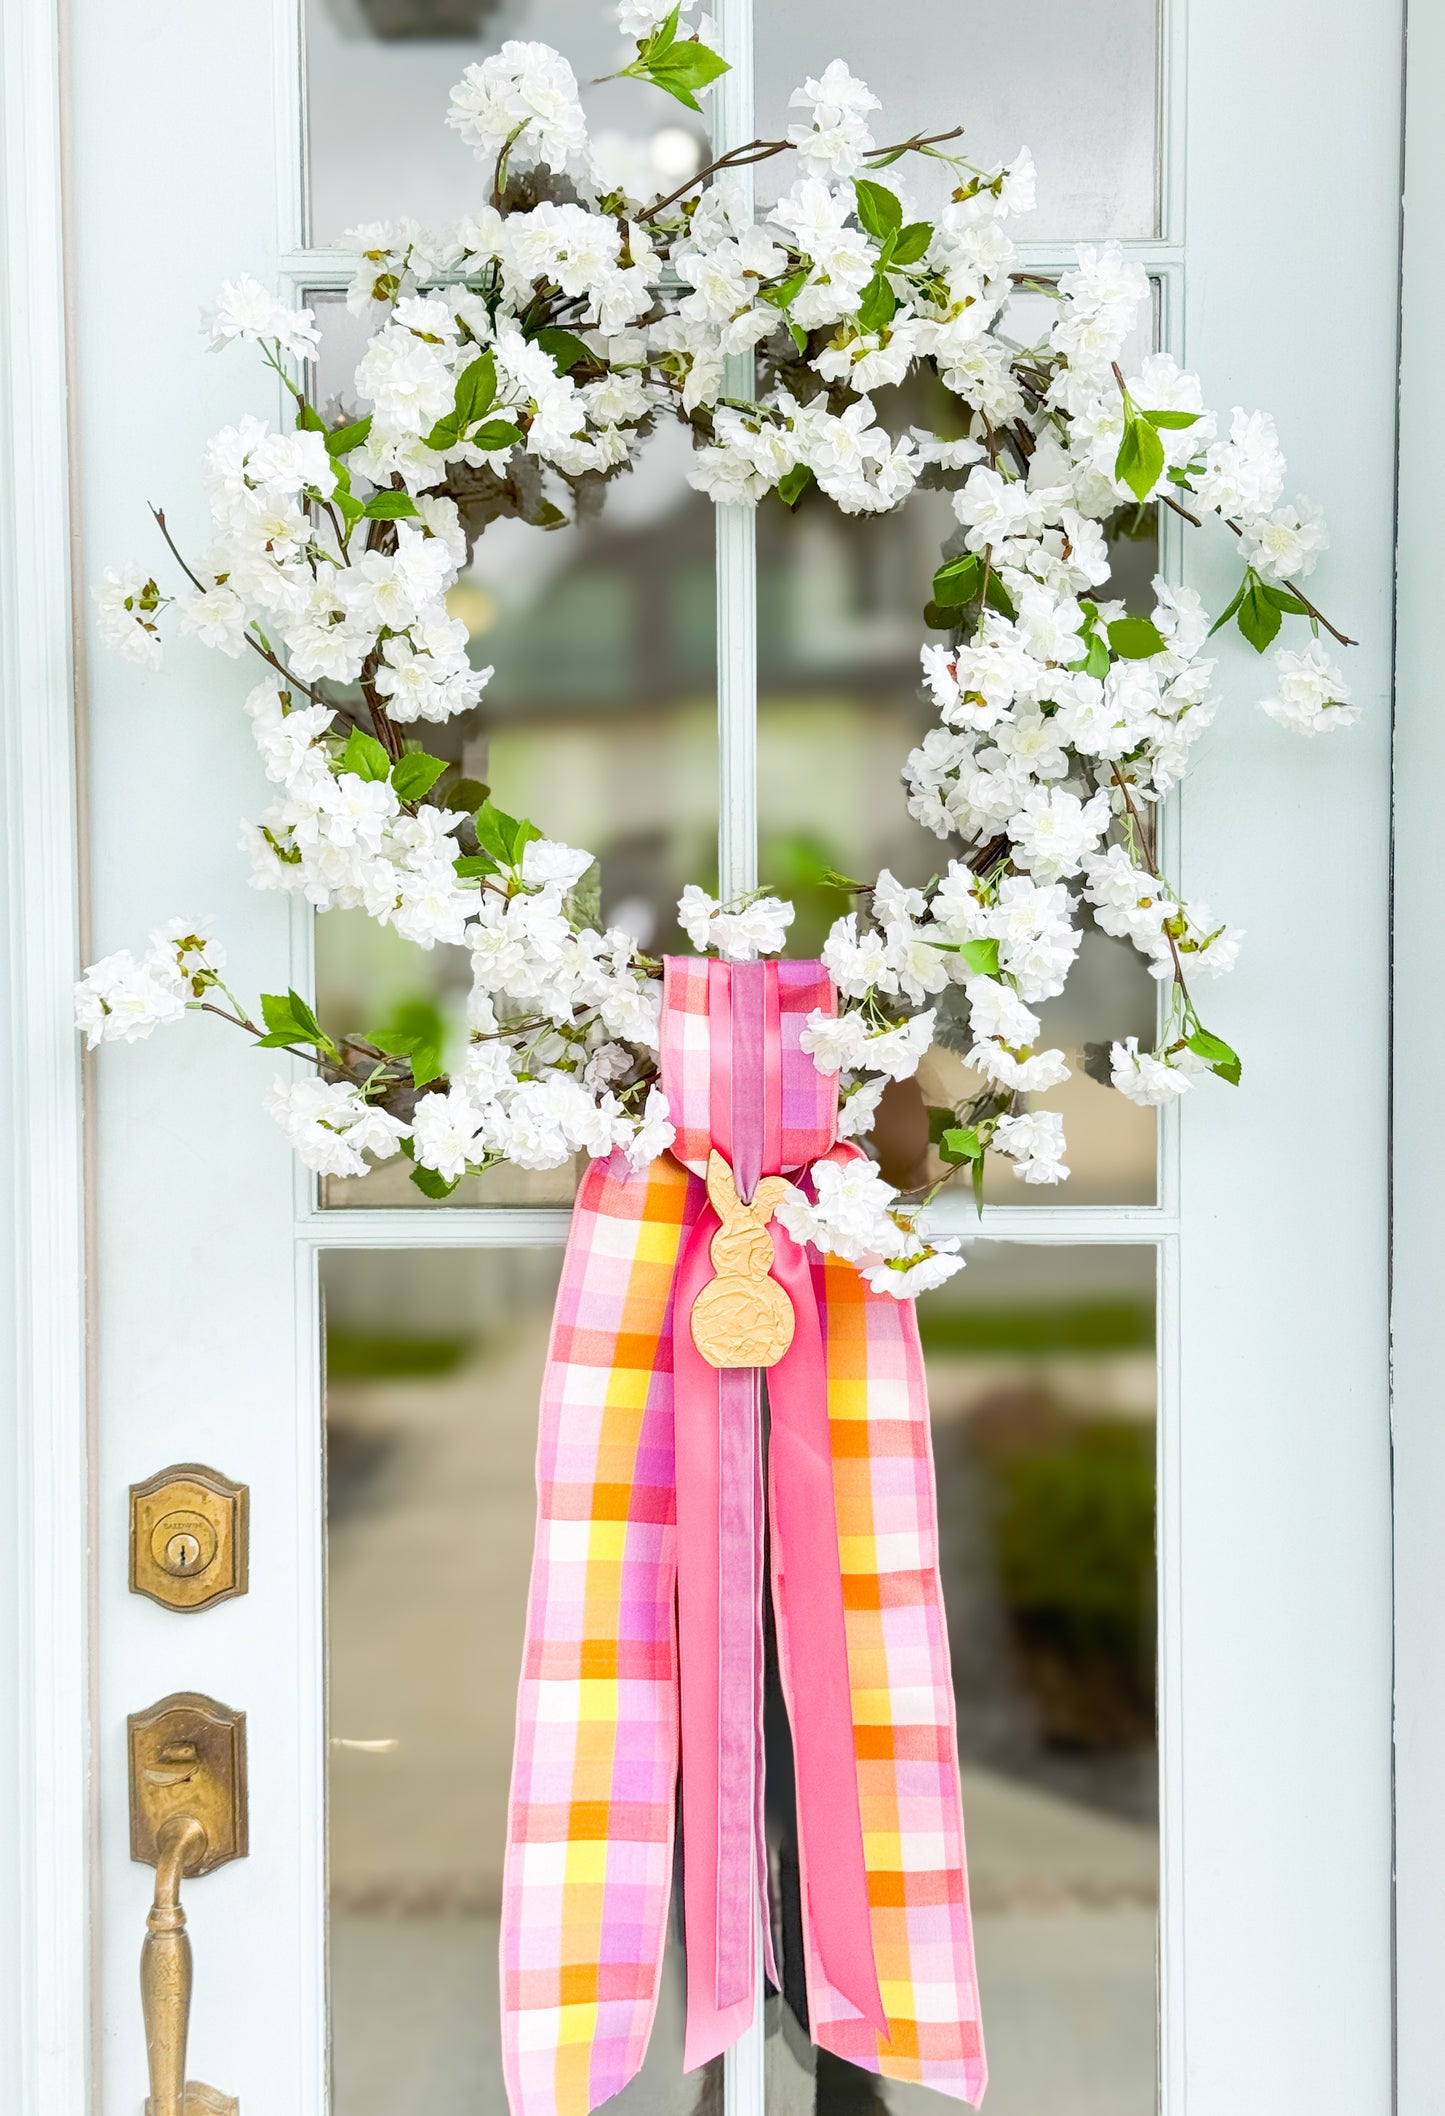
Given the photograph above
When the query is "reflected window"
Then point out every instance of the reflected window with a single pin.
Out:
(1041, 1374)
(379, 76)
(1077, 85)
(599, 723)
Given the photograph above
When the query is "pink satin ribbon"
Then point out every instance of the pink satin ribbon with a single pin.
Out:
(720, 1551)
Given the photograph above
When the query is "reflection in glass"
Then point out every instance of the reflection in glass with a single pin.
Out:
(1041, 1375)
(599, 723)
(1077, 85)
(1042, 1383)
(379, 75)
(840, 704)
(434, 1364)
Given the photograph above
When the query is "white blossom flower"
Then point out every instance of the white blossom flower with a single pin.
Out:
(524, 89)
(330, 1127)
(1310, 694)
(125, 601)
(1035, 1143)
(1144, 1077)
(120, 1000)
(654, 1134)
(836, 137)
(448, 1131)
(859, 1107)
(1285, 544)
(904, 1277)
(243, 309)
(545, 862)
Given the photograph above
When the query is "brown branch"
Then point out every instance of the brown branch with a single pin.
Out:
(252, 642)
(1151, 862)
(736, 158)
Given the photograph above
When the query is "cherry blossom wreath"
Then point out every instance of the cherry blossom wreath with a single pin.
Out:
(516, 365)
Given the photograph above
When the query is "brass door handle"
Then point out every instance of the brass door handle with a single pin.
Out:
(165, 1966)
(187, 1815)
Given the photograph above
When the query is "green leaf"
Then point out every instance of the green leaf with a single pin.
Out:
(470, 865)
(878, 209)
(416, 774)
(794, 484)
(476, 388)
(467, 793)
(1238, 597)
(878, 304)
(1221, 1059)
(349, 506)
(431, 1184)
(664, 34)
(981, 956)
(308, 418)
(997, 596)
(798, 335)
(495, 433)
(365, 756)
(1140, 459)
(959, 1145)
(290, 1020)
(958, 580)
(503, 835)
(390, 507)
(1284, 599)
(682, 68)
(1259, 617)
(416, 1030)
(1135, 638)
(1172, 419)
(786, 292)
(345, 438)
(564, 349)
(978, 1168)
(912, 242)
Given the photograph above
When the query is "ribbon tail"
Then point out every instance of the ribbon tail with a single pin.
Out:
(715, 1628)
(805, 1523)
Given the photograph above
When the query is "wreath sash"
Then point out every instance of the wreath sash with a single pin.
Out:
(644, 1634)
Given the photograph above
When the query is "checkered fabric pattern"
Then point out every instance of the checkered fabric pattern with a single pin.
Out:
(802, 1104)
(589, 1856)
(589, 1853)
(904, 1731)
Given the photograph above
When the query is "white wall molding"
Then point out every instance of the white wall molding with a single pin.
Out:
(44, 1708)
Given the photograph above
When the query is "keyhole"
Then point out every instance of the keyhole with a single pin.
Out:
(183, 1553)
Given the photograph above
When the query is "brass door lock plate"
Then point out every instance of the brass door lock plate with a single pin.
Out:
(188, 1537)
(188, 1760)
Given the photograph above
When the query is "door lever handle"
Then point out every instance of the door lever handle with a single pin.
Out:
(165, 1966)
(188, 1815)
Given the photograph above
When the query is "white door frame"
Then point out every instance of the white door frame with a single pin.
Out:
(46, 1835)
(1307, 1401)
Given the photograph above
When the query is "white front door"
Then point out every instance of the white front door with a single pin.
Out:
(1190, 1346)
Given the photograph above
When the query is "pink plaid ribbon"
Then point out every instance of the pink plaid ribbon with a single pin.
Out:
(649, 1477)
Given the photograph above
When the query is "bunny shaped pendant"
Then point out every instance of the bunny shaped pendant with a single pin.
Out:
(742, 1318)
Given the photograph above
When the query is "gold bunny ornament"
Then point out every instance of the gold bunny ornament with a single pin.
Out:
(742, 1318)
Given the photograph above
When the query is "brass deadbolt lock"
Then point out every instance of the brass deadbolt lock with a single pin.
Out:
(188, 1534)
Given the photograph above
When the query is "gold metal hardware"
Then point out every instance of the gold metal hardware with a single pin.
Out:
(187, 1815)
(188, 1537)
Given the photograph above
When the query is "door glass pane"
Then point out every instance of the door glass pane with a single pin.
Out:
(1041, 1376)
(434, 1365)
(599, 724)
(1077, 85)
(840, 704)
(379, 75)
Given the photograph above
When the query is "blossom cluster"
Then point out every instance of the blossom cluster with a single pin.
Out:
(515, 364)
